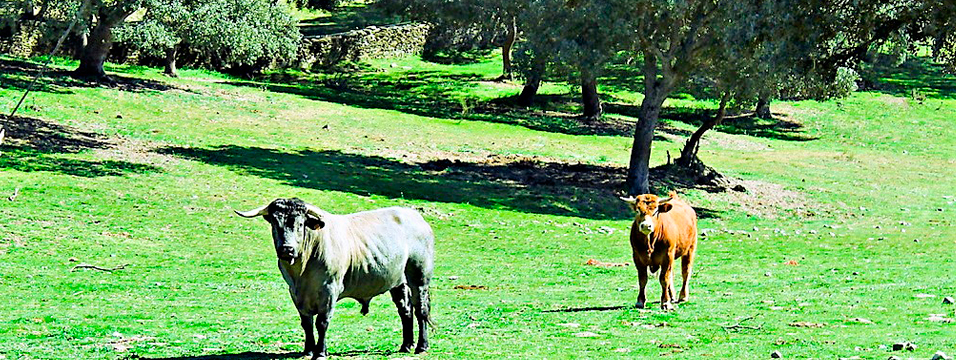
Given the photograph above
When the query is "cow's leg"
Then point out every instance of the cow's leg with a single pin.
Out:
(667, 268)
(306, 322)
(322, 319)
(402, 298)
(686, 269)
(642, 282)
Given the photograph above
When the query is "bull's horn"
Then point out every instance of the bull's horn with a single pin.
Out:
(313, 210)
(629, 199)
(254, 212)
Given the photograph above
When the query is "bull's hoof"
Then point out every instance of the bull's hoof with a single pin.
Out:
(421, 349)
(405, 349)
(667, 306)
(639, 305)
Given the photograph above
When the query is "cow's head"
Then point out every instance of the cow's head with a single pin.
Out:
(289, 219)
(647, 207)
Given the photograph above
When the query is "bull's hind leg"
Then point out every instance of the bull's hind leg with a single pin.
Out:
(686, 268)
(419, 275)
(402, 298)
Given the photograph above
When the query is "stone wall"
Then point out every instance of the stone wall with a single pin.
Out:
(373, 42)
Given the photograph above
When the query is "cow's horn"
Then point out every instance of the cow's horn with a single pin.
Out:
(254, 212)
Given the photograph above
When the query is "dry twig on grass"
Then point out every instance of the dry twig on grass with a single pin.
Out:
(94, 267)
(739, 325)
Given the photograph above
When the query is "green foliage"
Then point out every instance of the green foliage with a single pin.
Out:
(224, 32)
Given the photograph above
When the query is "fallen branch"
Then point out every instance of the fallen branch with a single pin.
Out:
(94, 267)
(739, 325)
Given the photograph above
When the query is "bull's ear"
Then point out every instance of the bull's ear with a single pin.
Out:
(664, 207)
(313, 222)
(631, 202)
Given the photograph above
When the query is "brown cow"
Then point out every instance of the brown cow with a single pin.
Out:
(664, 230)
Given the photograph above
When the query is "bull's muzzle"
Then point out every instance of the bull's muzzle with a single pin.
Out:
(646, 227)
(286, 253)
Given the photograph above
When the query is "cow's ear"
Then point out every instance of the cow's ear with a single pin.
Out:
(313, 222)
(664, 207)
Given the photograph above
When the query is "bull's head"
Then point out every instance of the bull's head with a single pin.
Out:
(289, 219)
(647, 207)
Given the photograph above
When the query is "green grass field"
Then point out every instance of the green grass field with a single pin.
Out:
(849, 215)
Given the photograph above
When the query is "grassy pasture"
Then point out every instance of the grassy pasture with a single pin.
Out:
(146, 174)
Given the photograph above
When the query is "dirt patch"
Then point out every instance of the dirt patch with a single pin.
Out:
(768, 200)
(607, 181)
(895, 101)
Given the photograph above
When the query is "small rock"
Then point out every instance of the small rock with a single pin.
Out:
(862, 321)
(894, 357)
(767, 274)
(949, 300)
(939, 209)
(939, 355)
(586, 334)
(73, 259)
(813, 232)
(910, 347)
(622, 350)
(923, 296)
(776, 355)
(916, 240)
(452, 278)
(119, 116)
(856, 273)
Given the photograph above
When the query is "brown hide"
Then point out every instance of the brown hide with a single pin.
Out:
(674, 236)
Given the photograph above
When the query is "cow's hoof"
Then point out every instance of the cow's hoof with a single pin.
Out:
(682, 300)
(639, 305)
(405, 349)
(421, 349)
(667, 306)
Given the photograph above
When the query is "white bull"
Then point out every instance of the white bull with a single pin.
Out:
(326, 257)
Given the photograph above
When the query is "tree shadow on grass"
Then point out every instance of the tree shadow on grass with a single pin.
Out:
(525, 185)
(519, 184)
(439, 95)
(256, 355)
(776, 128)
(17, 75)
(919, 74)
(34, 145)
(249, 355)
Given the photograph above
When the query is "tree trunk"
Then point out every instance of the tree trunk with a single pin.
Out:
(656, 90)
(763, 108)
(526, 98)
(688, 155)
(506, 49)
(171, 61)
(590, 98)
(99, 43)
(28, 9)
(638, 181)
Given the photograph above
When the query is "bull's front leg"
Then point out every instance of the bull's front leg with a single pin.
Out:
(667, 268)
(642, 282)
(306, 322)
(327, 299)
